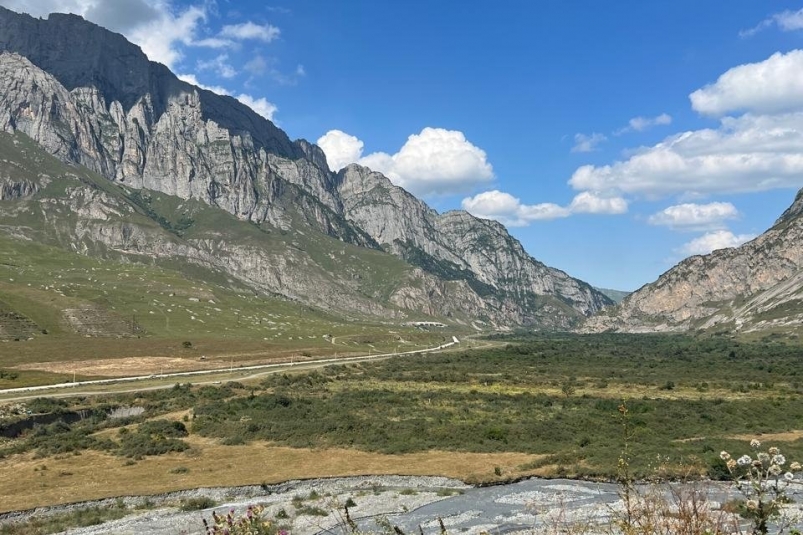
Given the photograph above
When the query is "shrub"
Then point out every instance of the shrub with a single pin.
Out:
(197, 504)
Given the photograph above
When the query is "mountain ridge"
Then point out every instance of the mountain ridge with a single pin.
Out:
(756, 286)
(183, 141)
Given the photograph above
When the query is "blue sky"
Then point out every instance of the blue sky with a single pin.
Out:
(613, 138)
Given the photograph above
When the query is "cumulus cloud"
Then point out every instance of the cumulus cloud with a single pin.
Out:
(592, 203)
(115, 15)
(220, 65)
(340, 149)
(759, 146)
(509, 210)
(747, 153)
(786, 21)
(249, 30)
(584, 143)
(260, 105)
(774, 85)
(159, 27)
(436, 161)
(690, 216)
(711, 241)
(640, 124)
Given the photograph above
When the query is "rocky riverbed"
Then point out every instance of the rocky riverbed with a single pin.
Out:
(411, 503)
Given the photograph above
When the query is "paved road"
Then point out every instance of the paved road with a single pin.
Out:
(82, 388)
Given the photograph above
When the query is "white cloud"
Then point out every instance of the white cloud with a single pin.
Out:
(154, 25)
(115, 15)
(159, 39)
(639, 124)
(159, 27)
(690, 216)
(774, 85)
(192, 79)
(786, 21)
(249, 30)
(592, 203)
(509, 210)
(436, 161)
(748, 153)
(260, 105)
(220, 65)
(584, 143)
(711, 241)
(340, 149)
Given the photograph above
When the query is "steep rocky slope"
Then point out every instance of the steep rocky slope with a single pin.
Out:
(459, 246)
(89, 97)
(756, 286)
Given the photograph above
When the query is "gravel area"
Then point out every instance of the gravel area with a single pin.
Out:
(374, 496)
(412, 503)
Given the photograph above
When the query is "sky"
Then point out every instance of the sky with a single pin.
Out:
(613, 138)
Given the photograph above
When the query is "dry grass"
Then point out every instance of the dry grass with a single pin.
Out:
(95, 475)
(74, 348)
(788, 436)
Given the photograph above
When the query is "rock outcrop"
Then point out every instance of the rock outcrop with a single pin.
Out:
(756, 286)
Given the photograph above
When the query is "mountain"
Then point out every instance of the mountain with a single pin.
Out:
(755, 287)
(615, 295)
(201, 178)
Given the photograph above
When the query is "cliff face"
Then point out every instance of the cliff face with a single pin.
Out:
(752, 287)
(459, 246)
(89, 97)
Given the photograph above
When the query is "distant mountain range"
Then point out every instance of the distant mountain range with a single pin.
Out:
(110, 155)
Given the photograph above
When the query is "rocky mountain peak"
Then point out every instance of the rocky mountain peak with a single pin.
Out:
(89, 97)
(79, 54)
(793, 211)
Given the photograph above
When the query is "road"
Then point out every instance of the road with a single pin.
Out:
(82, 388)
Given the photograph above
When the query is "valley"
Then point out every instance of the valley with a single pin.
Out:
(198, 311)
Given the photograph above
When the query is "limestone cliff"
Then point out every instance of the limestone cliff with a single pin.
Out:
(756, 286)
(89, 97)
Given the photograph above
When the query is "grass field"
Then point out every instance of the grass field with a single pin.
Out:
(81, 313)
(541, 405)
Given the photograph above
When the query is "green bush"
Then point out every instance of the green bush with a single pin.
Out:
(197, 504)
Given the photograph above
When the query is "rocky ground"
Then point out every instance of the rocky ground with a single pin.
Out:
(375, 497)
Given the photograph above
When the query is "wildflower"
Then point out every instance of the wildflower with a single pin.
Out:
(724, 455)
(789, 476)
(751, 505)
(795, 466)
(731, 464)
(755, 444)
(778, 459)
(774, 470)
(744, 460)
(764, 457)
(774, 451)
